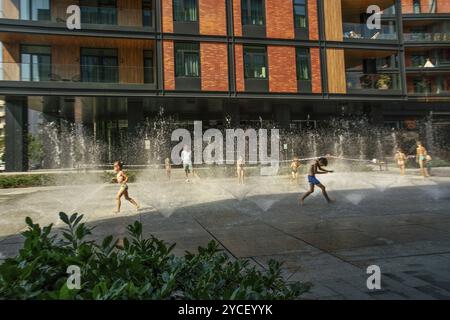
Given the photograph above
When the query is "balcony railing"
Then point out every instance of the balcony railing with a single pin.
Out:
(90, 16)
(359, 31)
(359, 81)
(23, 72)
(426, 36)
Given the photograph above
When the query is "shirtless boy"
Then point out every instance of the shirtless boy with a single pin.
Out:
(316, 168)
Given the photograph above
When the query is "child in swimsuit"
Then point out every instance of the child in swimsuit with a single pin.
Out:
(122, 180)
(400, 157)
(421, 158)
(240, 170)
(316, 168)
(295, 166)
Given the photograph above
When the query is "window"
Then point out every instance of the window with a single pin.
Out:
(35, 10)
(187, 60)
(35, 63)
(253, 12)
(416, 6)
(98, 11)
(300, 14)
(421, 85)
(303, 64)
(185, 10)
(255, 62)
(148, 66)
(99, 65)
(147, 13)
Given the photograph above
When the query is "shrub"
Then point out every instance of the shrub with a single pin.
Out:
(144, 269)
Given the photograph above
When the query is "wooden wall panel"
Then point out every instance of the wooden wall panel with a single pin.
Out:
(11, 9)
(333, 20)
(336, 71)
(129, 13)
(213, 17)
(66, 61)
(11, 57)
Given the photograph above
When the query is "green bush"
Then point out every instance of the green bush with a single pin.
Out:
(144, 269)
(26, 180)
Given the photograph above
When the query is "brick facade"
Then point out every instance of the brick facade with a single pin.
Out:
(167, 16)
(169, 65)
(282, 73)
(313, 19)
(316, 70)
(443, 6)
(239, 58)
(237, 18)
(214, 66)
(213, 18)
(279, 26)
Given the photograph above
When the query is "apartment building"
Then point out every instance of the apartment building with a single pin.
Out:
(220, 61)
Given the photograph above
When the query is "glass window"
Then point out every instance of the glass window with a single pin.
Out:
(148, 66)
(253, 12)
(300, 14)
(147, 13)
(416, 6)
(99, 11)
(255, 62)
(35, 63)
(35, 10)
(185, 10)
(99, 65)
(421, 85)
(187, 59)
(303, 64)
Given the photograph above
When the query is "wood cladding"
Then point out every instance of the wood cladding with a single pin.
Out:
(336, 71)
(11, 9)
(333, 20)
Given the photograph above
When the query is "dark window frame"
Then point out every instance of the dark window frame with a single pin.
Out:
(306, 27)
(30, 14)
(252, 54)
(183, 20)
(306, 54)
(31, 69)
(246, 18)
(152, 14)
(146, 51)
(83, 16)
(184, 52)
(117, 66)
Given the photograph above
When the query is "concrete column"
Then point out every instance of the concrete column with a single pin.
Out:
(16, 134)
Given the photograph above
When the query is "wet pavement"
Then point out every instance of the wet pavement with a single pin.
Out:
(401, 224)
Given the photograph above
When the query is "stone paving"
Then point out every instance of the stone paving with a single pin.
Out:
(401, 224)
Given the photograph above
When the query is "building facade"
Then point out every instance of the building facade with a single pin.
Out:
(219, 61)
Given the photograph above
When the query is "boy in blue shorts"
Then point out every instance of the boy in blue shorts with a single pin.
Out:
(316, 168)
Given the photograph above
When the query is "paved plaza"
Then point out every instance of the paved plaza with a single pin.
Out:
(401, 224)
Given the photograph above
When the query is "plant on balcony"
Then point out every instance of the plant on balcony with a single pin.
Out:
(144, 269)
(384, 82)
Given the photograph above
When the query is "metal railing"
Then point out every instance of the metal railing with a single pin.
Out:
(372, 82)
(359, 31)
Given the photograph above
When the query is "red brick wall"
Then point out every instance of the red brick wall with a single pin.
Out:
(167, 16)
(315, 71)
(214, 66)
(279, 19)
(282, 73)
(213, 19)
(313, 20)
(407, 6)
(443, 6)
(239, 58)
(169, 65)
(237, 18)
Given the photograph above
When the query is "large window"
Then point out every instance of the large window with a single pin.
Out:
(148, 66)
(99, 65)
(35, 10)
(147, 13)
(99, 11)
(253, 12)
(185, 10)
(35, 63)
(300, 14)
(187, 59)
(303, 64)
(416, 6)
(255, 61)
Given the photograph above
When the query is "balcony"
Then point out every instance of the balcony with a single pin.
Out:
(358, 31)
(428, 85)
(53, 14)
(381, 83)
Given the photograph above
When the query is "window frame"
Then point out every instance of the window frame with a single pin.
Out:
(297, 65)
(197, 8)
(31, 69)
(248, 16)
(146, 51)
(183, 52)
(102, 65)
(115, 22)
(252, 54)
(30, 13)
(306, 15)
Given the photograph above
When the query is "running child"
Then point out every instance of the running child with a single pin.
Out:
(295, 168)
(401, 158)
(240, 167)
(122, 180)
(316, 168)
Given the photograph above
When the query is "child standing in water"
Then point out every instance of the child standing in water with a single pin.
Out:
(240, 170)
(295, 166)
(421, 158)
(122, 180)
(316, 168)
(400, 157)
(168, 167)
